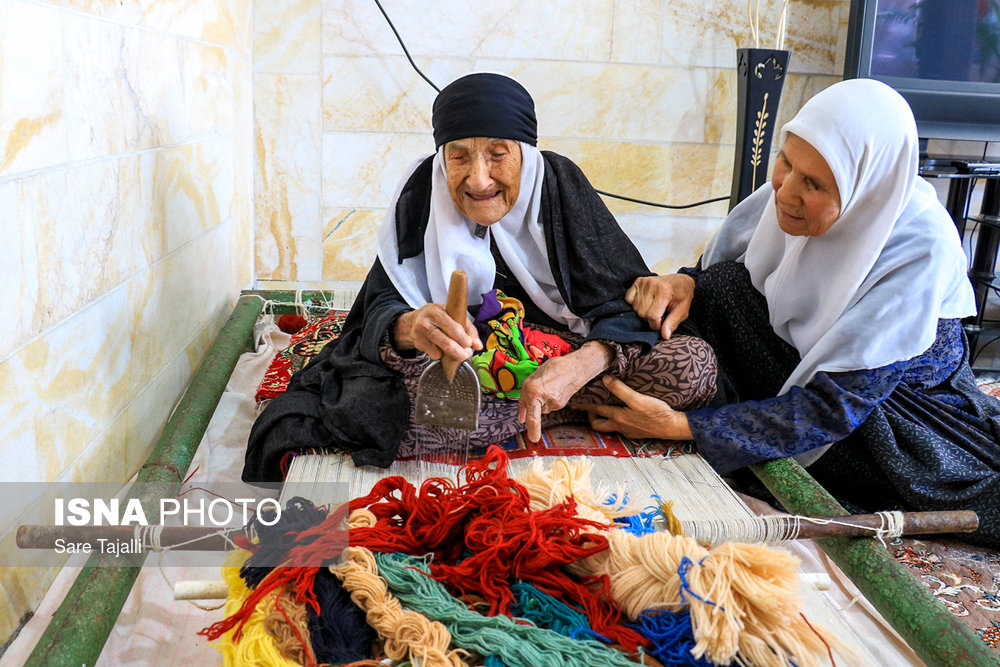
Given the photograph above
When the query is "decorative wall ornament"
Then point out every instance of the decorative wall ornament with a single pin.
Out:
(760, 78)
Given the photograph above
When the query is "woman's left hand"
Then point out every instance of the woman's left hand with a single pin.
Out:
(551, 386)
(641, 417)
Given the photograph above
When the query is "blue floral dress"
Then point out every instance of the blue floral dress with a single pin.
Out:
(914, 434)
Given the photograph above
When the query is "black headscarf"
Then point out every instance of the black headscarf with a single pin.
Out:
(484, 105)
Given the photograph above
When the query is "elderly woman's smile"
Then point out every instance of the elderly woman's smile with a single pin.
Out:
(484, 177)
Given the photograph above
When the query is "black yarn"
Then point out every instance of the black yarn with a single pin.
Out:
(276, 540)
(339, 632)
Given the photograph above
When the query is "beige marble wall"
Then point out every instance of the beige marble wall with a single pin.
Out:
(126, 186)
(641, 93)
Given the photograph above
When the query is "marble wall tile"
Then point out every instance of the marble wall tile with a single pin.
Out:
(699, 34)
(208, 89)
(19, 250)
(636, 33)
(668, 242)
(612, 101)
(18, 416)
(206, 20)
(171, 302)
(156, 86)
(243, 28)
(349, 247)
(120, 12)
(89, 234)
(671, 174)
(560, 30)
(288, 175)
(174, 89)
(145, 417)
(814, 33)
(32, 114)
(287, 36)
(98, 100)
(383, 93)
(219, 21)
(187, 190)
(69, 385)
(364, 169)
(243, 166)
(721, 100)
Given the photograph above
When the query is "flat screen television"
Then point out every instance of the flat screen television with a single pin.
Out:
(943, 56)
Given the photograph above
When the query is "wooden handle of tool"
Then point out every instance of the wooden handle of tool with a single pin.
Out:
(457, 308)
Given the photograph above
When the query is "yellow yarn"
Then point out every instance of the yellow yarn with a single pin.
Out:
(673, 523)
(256, 647)
(750, 610)
(406, 633)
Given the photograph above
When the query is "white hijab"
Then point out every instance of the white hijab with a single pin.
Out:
(450, 243)
(871, 290)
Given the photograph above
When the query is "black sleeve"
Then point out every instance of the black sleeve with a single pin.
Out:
(378, 305)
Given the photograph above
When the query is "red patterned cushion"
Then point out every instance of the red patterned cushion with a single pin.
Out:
(303, 345)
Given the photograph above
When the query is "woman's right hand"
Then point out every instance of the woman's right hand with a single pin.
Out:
(663, 301)
(430, 329)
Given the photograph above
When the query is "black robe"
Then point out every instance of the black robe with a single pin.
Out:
(346, 398)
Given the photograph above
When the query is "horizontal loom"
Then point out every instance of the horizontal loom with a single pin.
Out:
(79, 629)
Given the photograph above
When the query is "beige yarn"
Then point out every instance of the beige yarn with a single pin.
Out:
(756, 617)
(289, 645)
(406, 633)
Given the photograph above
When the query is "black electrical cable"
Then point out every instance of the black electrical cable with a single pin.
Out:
(400, 40)
(673, 206)
(606, 194)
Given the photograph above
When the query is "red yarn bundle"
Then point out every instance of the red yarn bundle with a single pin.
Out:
(482, 536)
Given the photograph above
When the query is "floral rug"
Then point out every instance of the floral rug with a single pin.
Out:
(966, 579)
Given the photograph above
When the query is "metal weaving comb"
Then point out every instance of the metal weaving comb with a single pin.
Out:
(448, 392)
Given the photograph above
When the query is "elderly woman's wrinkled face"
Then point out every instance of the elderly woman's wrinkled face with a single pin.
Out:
(484, 176)
(805, 190)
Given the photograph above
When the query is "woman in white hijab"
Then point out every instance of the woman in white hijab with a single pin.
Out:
(833, 297)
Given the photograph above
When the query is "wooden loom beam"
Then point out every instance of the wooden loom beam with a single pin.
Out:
(81, 625)
(934, 633)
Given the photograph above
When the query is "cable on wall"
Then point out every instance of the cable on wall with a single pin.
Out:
(606, 194)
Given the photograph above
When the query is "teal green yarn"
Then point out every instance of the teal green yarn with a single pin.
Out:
(512, 643)
(546, 611)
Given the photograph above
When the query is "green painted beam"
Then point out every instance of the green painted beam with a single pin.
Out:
(284, 300)
(80, 627)
(933, 632)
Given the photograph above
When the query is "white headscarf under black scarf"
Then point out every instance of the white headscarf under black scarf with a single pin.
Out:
(479, 105)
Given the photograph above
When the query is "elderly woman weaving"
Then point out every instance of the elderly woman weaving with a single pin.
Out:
(832, 297)
(515, 219)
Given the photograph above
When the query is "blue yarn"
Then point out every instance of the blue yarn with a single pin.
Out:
(672, 637)
(682, 571)
(493, 661)
(546, 611)
(641, 523)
